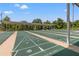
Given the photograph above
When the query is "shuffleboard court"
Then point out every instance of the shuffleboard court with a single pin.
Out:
(31, 45)
(61, 36)
(50, 35)
(4, 36)
(74, 36)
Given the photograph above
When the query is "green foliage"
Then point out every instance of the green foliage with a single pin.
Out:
(76, 23)
(59, 23)
(37, 21)
(6, 18)
(47, 22)
(37, 24)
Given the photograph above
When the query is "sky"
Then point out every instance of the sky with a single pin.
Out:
(30, 11)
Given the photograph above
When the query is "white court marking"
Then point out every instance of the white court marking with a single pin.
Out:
(18, 44)
(32, 46)
(63, 35)
(29, 51)
(36, 44)
(15, 53)
(31, 41)
(44, 50)
(28, 48)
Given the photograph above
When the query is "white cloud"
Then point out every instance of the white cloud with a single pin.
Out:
(17, 5)
(8, 12)
(23, 6)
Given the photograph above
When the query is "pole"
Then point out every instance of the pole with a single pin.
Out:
(73, 12)
(68, 23)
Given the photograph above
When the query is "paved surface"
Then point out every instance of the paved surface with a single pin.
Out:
(7, 46)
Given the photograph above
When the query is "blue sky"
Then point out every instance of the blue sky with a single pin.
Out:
(30, 11)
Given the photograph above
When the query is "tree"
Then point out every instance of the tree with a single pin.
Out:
(47, 22)
(6, 18)
(37, 21)
(76, 23)
(59, 23)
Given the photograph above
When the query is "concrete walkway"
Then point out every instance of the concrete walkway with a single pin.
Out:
(7, 46)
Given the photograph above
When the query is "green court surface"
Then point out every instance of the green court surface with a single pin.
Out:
(53, 34)
(4, 36)
(32, 45)
(29, 45)
(66, 52)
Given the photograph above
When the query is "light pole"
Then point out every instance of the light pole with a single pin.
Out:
(68, 23)
(73, 12)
